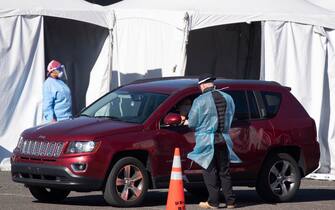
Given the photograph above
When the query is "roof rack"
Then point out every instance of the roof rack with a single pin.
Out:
(196, 77)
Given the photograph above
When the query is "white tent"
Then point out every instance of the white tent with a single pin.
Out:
(297, 46)
(22, 60)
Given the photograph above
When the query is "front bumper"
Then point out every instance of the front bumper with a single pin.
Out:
(32, 174)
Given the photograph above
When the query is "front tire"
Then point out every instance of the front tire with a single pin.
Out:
(48, 194)
(127, 183)
(279, 179)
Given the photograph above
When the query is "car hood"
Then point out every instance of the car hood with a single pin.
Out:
(80, 128)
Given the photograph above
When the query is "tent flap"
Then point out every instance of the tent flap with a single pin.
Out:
(157, 49)
(21, 78)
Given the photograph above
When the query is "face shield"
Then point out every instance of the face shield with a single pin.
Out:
(61, 71)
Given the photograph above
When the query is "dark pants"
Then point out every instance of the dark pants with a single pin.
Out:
(217, 175)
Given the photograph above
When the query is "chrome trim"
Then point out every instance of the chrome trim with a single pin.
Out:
(40, 148)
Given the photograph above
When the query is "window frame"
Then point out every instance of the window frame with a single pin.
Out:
(193, 95)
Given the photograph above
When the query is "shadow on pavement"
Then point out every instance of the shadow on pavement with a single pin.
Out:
(244, 198)
(307, 195)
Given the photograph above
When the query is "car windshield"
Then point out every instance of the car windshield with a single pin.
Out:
(127, 106)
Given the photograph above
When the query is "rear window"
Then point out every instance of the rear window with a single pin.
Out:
(271, 102)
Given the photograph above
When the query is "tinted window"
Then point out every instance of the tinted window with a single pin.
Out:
(254, 113)
(241, 105)
(271, 103)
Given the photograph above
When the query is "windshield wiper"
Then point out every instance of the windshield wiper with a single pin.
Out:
(109, 117)
(85, 115)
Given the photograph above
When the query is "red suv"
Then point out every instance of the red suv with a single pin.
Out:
(123, 143)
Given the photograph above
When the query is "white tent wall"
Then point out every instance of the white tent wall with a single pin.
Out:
(22, 76)
(100, 76)
(298, 56)
(147, 47)
(331, 78)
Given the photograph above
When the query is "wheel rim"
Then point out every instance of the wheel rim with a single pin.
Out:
(282, 178)
(129, 183)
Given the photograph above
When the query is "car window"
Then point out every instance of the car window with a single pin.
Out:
(241, 104)
(126, 106)
(254, 111)
(272, 103)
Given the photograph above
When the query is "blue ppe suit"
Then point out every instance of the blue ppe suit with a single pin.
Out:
(56, 100)
(203, 118)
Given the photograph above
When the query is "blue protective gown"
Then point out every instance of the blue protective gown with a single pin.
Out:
(203, 118)
(56, 100)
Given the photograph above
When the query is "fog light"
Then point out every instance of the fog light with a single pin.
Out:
(78, 166)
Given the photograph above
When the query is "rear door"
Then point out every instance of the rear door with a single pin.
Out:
(251, 133)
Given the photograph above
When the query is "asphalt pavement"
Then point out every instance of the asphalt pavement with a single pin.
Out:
(313, 195)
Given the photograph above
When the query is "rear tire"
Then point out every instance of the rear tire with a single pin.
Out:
(127, 183)
(48, 194)
(279, 179)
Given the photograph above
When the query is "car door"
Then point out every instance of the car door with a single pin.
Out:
(170, 137)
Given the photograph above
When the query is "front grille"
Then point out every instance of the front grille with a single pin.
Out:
(40, 148)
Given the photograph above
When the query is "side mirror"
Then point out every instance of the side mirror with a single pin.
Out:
(172, 119)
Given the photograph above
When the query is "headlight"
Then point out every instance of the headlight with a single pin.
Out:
(81, 146)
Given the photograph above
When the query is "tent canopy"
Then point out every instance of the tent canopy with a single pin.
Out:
(217, 12)
(75, 9)
(327, 4)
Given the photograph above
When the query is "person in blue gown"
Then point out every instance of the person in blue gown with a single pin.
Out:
(211, 116)
(57, 100)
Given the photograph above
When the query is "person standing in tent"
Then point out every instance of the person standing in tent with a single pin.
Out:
(211, 116)
(56, 94)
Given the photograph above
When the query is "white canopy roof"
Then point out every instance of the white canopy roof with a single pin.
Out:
(217, 12)
(151, 11)
(327, 4)
(71, 9)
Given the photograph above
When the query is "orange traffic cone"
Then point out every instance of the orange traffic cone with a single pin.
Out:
(176, 198)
